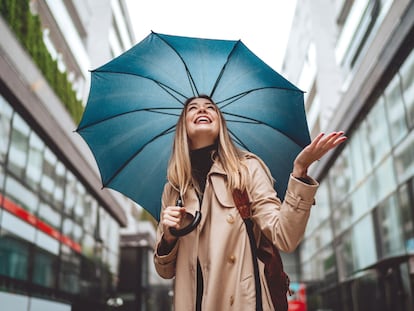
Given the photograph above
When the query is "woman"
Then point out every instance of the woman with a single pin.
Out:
(212, 265)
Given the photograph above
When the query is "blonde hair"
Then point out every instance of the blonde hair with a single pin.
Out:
(228, 155)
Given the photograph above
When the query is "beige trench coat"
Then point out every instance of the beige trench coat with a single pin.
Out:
(221, 241)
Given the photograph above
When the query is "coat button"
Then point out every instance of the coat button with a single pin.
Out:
(231, 300)
(230, 219)
(232, 259)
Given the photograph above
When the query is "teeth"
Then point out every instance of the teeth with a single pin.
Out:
(203, 119)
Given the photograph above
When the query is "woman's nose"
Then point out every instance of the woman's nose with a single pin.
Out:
(201, 109)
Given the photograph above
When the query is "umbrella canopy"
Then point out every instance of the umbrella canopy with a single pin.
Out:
(136, 98)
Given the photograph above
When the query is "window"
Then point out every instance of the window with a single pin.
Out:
(69, 271)
(48, 179)
(70, 192)
(344, 255)
(21, 195)
(50, 215)
(44, 271)
(5, 123)
(358, 157)
(390, 228)
(340, 177)
(382, 182)
(14, 257)
(342, 216)
(406, 204)
(395, 110)
(376, 133)
(89, 219)
(35, 161)
(403, 159)
(19, 146)
(60, 172)
(365, 251)
(407, 78)
(79, 205)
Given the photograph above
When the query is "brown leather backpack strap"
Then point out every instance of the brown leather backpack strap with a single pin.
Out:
(241, 199)
(276, 278)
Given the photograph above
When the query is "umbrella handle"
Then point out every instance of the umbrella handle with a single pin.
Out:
(186, 230)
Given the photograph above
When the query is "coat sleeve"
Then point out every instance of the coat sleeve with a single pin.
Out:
(165, 264)
(284, 222)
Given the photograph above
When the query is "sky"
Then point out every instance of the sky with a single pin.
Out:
(262, 25)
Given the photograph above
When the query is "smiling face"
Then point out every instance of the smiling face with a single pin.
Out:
(202, 122)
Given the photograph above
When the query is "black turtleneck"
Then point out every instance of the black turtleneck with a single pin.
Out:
(201, 162)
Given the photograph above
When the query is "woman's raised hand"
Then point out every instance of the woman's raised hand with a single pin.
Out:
(316, 150)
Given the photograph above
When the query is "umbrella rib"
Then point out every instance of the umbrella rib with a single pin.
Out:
(167, 131)
(155, 110)
(259, 123)
(236, 97)
(238, 140)
(189, 76)
(223, 68)
(166, 88)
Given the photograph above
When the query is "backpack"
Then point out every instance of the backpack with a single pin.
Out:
(276, 278)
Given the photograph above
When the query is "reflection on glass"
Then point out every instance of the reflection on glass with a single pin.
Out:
(89, 219)
(407, 218)
(363, 240)
(21, 195)
(113, 238)
(344, 255)
(360, 167)
(88, 244)
(360, 202)
(390, 228)
(376, 133)
(386, 175)
(44, 272)
(396, 111)
(35, 161)
(5, 121)
(14, 257)
(19, 146)
(49, 215)
(17, 226)
(404, 158)
(77, 233)
(79, 205)
(59, 184)
(67, 227)
(47, 242)
(340, 177)
(70, 192)
(2, 178)
(48, 178)
(407, 78)
(342, 217)
(69, 271)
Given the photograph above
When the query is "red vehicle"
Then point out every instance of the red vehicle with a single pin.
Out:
(297, 301)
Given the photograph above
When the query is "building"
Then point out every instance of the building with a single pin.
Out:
(355, 60)
(140, 287)
(59, 231)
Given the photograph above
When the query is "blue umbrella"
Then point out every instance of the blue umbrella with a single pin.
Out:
(136, 98)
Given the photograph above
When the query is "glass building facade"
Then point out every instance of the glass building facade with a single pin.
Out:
(356, 64)
(56, 240)
(361, 235)
(59, 231)
(355, 60)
